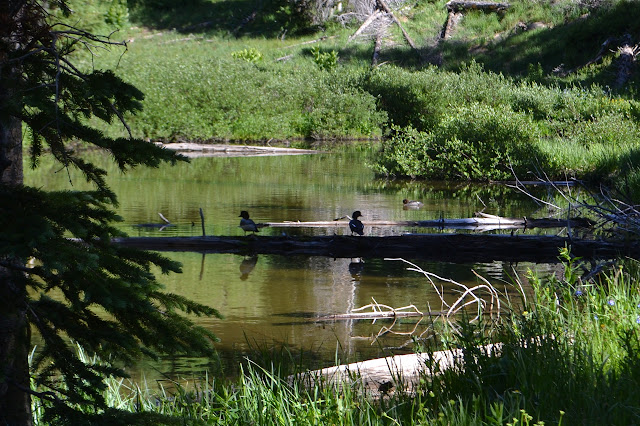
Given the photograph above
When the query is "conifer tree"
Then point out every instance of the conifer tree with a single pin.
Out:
(59, 272)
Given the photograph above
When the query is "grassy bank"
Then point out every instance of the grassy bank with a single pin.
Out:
(501, 97)
(569, 355)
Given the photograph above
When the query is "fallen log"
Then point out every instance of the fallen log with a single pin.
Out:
(458, 248)
(483, 220)
(383, 5)
(189, 149)
(376, 13)
(384, 376)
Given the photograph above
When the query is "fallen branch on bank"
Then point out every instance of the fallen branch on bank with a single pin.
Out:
(383, 5)
(375, 15)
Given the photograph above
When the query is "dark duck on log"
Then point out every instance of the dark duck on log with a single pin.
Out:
(355, 225)
(247, 224)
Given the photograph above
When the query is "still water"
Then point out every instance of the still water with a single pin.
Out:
(277, 299)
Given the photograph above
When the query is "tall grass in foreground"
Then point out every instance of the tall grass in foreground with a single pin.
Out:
(570, 355)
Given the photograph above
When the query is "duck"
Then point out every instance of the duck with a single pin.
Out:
(411, 204)
(247, 224)
(355, 225)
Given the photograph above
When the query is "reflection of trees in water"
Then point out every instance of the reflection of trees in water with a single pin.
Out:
(496, 198)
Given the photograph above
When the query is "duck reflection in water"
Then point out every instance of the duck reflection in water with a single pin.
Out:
(247, 265)
(411, 204)
(355, 268)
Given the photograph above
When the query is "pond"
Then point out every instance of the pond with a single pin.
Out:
(269, 299)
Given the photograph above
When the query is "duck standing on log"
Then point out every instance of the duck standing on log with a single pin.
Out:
(355, 225)
(247, 224)
(411, 204)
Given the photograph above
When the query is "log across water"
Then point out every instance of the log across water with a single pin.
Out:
(461, 248)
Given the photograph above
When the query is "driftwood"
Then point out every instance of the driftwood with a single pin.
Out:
(318, 40)
(224, 150)
(460, 248)
(378, 311)
(625, 62)
(452, 20)
(384, 376)
(383, 5)
(482, 222)
(604, 48)
(156, 225)
(249, 19)
(375, 15)
(626, 59)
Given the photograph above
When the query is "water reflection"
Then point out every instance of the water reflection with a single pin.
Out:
(282, 298)
(247, 265)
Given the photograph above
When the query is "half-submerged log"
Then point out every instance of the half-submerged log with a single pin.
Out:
(166, 223)
(460, 248)
(482, 222)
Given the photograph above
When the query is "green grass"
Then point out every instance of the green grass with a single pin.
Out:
(569, 355)
(188, 60)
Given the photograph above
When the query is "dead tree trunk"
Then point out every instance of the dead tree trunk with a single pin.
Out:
(376, 51)
(625, 63)
(452, 20)
(375, 15)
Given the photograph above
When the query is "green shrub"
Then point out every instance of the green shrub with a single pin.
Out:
(250, 55)
(118, 14)
(475, 142)
(325, 60)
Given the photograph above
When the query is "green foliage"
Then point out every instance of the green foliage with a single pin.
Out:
(215, 99)
(118, 14)
(295, 16)
(250, 55)
(570, 353)
(79, 285)
(326, 61)
(231, 99)
(473, 143)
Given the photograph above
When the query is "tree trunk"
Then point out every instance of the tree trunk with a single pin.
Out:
(15, 401)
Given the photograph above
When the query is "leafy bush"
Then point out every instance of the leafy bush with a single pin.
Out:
(325, 60)
(250, 55)
(118, 14)
(475, 142)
